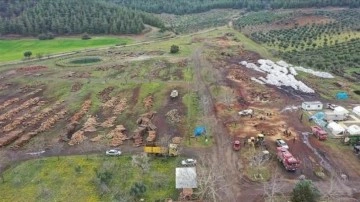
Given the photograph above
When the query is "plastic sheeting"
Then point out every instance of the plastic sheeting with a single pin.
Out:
(354, 130)
(318, 118)
(356, 110)
(340, 110)
(335, 128)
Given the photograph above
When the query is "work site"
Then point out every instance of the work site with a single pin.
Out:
(206, 116)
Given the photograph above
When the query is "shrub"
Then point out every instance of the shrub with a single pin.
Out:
(174, 49)
(305, 191)
(86, 36)
(27, 54)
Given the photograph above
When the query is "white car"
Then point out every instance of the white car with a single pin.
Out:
(281, 143)
(113, 152)
(188, 162)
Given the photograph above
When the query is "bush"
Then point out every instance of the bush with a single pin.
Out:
(305, 191)
(174, 49)
(27, 54)
(85, 36)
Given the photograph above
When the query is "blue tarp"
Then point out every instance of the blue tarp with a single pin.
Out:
(342, 96)
(199, 130)
(318, 118)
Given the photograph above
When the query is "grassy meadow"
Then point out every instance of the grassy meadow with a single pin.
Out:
(13, 49)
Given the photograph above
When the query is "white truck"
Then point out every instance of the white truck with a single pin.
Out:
(331, 116)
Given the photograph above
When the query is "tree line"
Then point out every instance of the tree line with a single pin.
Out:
(27, 17)
(195, 6)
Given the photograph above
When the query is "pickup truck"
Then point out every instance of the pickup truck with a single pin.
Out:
(319, 133)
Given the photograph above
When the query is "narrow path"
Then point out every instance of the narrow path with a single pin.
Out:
(228, 161)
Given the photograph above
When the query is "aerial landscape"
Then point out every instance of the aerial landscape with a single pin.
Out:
(180, 100)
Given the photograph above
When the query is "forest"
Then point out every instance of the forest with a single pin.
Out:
(61, 17)
(195, 6)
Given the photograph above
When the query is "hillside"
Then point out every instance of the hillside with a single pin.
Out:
(195, 6)
(30, 17)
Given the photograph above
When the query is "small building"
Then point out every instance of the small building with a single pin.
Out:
(353, 130)
(331, 116)
(312, 106)
(356, 110)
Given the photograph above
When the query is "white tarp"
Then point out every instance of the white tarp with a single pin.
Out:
(340, 110)
(354, 130)
(185, 178)
(335, 128)
(356, 110)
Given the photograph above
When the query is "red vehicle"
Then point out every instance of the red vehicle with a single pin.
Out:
(236, 145)
(319, 133)
(287, 159)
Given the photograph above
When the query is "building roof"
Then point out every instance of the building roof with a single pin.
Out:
(313, 103)
(186, 178)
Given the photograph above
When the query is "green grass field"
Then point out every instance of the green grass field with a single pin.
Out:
(14, 49)
(73, 178)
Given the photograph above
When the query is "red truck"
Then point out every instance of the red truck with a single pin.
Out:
(287, 159)
(319, 132)
(236, 144)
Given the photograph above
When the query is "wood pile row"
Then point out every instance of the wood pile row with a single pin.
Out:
(110, 103)
(148, 102)
(8, 102)
(10, 137)
(9, 114)
(20, 120)
(33, 92)
(84, 109)
(46, 125)
(109, 122)
(42, 114)
(120, 107)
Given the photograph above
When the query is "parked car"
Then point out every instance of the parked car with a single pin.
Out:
(188, 162)
(236, 144)
(246, 112)
(281, 143)
(113, 152)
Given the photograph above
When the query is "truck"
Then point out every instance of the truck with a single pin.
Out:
(319, 133)
(171, 150)
(287, 159)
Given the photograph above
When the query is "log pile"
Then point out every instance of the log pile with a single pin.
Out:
(84, 109)
(108, 123)
(144, 125)
(77, 138)
(151, 136)
(117, 136)
(90, 124)
(173, 116)
(148, 102)
(9, 114)
(49, 123)
(8, 102)
(10, 137)
(120, 107)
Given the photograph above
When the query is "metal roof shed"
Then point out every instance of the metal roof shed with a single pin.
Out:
(186, 178)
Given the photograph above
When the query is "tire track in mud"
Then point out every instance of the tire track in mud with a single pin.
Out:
(222, 154)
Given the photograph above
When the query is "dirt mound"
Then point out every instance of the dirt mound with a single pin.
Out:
(148, 102)
(109, 122)
(76, 86)
(104, 95)
(31, 68)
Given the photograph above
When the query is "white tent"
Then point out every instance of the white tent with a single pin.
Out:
(335, 128)
(354, 130)
(356, 110)
(186, 178)
(341, 110)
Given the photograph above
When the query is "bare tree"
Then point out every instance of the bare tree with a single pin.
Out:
(141, 161)
(274, 187)
(57, 148)
(211, 180)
